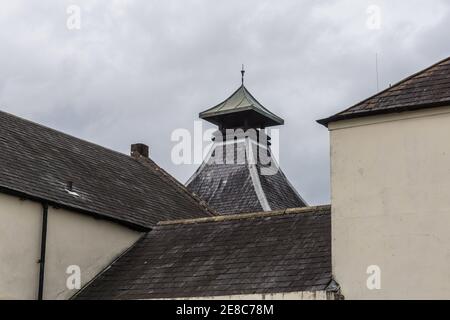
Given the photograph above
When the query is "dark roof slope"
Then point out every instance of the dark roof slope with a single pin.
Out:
(279, 192)
(37, 162)
(427, 88)
(234, 186)
(270, 252)
(226, 187)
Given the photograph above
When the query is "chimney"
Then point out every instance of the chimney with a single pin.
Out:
(139, 150)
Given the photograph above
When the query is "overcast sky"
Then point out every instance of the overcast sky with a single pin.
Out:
(137, 70)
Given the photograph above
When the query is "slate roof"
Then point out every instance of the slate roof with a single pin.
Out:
(425, 89)
(279, 192)
(37, 162)
(236, 186)
(270, 252)
(240, 101)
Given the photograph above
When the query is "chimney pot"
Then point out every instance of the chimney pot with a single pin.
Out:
(139, 149)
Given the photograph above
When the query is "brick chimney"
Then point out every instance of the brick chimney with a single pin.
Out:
(139, 150)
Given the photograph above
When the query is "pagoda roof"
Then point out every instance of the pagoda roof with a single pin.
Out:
(240, 109)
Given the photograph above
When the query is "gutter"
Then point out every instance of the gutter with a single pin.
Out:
(43, 249)
(396, 109)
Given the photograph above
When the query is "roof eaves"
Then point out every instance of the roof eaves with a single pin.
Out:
(272, 116)
(396, 109)
(263, 109)
(277, 120)
(259, 108)
(222, 112)
(59, 204)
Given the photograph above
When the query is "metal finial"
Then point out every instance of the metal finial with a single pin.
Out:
(242, 73)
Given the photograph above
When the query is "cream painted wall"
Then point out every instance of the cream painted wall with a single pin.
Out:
(77, 239)
(19, 247)
(390, 193)
(72, 239)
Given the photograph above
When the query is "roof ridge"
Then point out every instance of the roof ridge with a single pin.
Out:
(241, 216)
(244, 97)
(177, 185)
(65, 134)
(260, 104)
(325, 121)
(225, 100)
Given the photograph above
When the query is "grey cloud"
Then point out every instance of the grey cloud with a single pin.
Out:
(138, 70)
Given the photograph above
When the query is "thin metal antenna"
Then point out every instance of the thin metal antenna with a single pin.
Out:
(242, 74)
(376, 70)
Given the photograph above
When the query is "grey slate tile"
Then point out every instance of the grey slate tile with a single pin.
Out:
(280, 261)
(38, 161)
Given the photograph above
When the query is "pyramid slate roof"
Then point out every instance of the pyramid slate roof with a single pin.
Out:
(233, 186)
(258, 253)
(425, 89)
